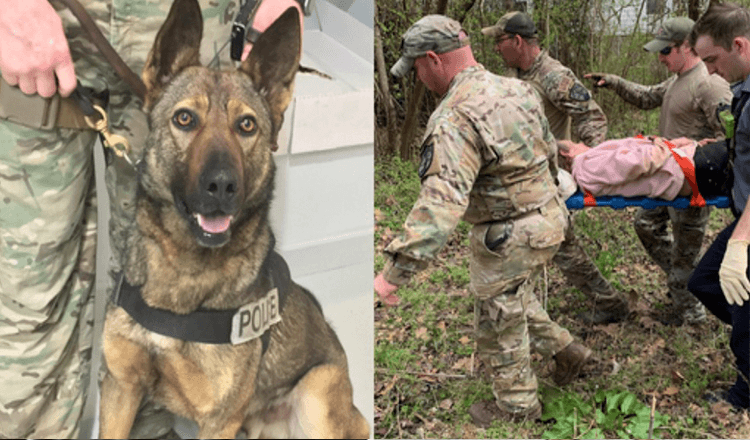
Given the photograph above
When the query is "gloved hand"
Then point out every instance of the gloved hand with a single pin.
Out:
(732, 274)
(601, 79)
(386, 291)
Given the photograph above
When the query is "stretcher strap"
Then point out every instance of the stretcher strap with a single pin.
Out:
(588, 198)
(688, 168)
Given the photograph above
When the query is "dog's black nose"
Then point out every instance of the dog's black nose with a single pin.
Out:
(220, 184)
(219, 181)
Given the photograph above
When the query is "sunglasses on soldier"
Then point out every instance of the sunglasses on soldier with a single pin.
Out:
(667, 50)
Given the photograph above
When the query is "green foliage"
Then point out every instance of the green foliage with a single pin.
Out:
(396, 190)
(460, 275)
(389, 356)
(576, 32)
(613, 412)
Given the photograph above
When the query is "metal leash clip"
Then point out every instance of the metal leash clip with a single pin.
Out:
(118, 144)
(242, 22)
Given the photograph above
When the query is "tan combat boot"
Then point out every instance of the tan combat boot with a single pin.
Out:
(568, 363)
(484, 412)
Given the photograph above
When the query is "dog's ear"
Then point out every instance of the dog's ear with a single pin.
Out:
(274, 61)
(177, 46)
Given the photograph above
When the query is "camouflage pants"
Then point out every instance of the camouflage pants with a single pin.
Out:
(47, 261)
(48, 227)
(508, 317)
(676, 252)
(582, 273)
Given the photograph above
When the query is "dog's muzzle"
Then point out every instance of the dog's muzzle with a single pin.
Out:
(212, 201)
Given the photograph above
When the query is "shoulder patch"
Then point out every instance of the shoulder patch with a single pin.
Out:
(565, 83)
(579, 93)
(428, 164)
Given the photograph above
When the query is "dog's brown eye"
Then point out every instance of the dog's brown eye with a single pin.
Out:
(184, 119)
(246, 125)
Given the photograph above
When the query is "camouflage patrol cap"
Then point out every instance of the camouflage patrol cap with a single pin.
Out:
(672, 30)
(435, 33)
(515, 22)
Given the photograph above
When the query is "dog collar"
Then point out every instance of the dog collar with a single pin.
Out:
(209, 326)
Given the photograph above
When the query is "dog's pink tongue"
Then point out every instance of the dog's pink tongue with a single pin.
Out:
(216, 225)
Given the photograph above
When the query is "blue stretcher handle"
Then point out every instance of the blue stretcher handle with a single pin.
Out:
(618, 202)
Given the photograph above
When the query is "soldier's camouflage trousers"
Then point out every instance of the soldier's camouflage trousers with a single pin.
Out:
(508, 317)
(47, 259)
(48, 226)
(581, 272)
(676, 252)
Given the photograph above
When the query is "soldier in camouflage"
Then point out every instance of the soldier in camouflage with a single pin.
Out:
(487, 156)
(690, 101)
(48, 205)
(568, 105)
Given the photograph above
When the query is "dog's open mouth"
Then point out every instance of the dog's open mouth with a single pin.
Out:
(214, 225)
(211, 230)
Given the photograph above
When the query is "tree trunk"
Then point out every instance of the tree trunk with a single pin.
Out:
(694, 9)
(410, 123)
(464, 9)
(412, 113)
(385, 92)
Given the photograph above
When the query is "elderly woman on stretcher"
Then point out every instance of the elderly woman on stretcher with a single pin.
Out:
(649, 166)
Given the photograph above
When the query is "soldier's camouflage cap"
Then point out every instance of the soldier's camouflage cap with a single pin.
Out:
(435, 33)
(515, 22)
(672, 30)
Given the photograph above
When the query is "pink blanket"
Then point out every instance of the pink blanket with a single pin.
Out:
(631, 167)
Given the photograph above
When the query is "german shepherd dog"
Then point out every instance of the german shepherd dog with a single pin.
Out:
(202, 248)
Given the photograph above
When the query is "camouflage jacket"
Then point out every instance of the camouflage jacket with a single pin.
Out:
(487, 155)
(690, 102)
(567, 103)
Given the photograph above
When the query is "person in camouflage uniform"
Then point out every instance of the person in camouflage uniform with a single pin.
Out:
(48, 211)
(568, 105)
(487, 156)
(690, 101)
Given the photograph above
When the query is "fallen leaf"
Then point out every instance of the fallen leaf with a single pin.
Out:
(610, 329)
(677, 376)
(721, 409)
(648, 323)
(615, 367)
(654, 347)
(671, 391)
(464, 340)
(379, 216)
(446, 404)
(462, 364)
(421, 333)
(390, 386)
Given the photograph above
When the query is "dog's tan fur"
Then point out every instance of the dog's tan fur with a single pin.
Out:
(300, 387)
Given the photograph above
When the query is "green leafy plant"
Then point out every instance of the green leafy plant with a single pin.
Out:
(615, 412)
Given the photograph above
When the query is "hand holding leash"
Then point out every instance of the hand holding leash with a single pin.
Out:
(732, 274)
(34, 53)
(386, 291)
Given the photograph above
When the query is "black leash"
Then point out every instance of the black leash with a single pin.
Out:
(242, 22)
